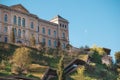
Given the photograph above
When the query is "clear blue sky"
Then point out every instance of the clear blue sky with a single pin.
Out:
(91, 21)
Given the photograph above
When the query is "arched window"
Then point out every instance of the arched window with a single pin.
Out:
(19, 33)
(5, 18)
(49, 32)
(32, 25)
(54, 33)
(23, 22)
(43, 30)
(15, 20)
(19, 21)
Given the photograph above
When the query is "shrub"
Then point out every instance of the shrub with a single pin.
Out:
(21, 59)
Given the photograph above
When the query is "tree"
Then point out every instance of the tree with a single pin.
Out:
(98, 50)
(68, 46)
(117, 56)
(80, 74)
(60, 71)
(12, 36)
(21, 59)
(32, 41)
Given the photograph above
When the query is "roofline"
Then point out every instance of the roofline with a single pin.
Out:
(20, 5)
(29, 14)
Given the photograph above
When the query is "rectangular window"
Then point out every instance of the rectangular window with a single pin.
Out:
(43, 40)
(43, 30)
(38, 29)
(63, 45)
(5, 29)
(15, 20)
(54, 33)
(32, 25)
(49, 43)
(63, 35)
(55, 43)
(6, 39)
(49, 32)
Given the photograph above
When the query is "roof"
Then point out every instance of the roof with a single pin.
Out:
(59, 17)
(20, 6)
(23, 10)
(107, 50)
(70, 66)
(49, 72)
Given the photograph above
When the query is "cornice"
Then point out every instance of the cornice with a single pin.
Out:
(28, 14)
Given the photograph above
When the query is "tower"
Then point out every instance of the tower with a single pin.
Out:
(62, 31)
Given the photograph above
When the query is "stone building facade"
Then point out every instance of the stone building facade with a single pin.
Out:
(26, 25)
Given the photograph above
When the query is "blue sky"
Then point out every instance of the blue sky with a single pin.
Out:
(91, 21)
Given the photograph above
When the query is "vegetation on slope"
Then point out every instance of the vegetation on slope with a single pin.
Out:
(47, 57)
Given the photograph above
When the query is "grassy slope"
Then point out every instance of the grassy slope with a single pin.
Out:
(44, 60)
(41, 60)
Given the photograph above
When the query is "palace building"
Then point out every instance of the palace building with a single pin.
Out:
(25, 25)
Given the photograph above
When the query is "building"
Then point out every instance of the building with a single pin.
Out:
(26, 25)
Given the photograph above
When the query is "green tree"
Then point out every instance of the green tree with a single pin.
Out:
(80, 74)
(96, 58)
(32, 41)
(12, 36)
(68, 46)
(96, 54)
(117, 56)
(21, 59)
(60, 71)
(98, 50)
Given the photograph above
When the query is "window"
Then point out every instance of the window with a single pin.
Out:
(43, 40)
(60, 25)
(15, 20)
(5, 18)
(6, 39)
(15, 32)
(5, 29)
(49, 32)
(23, 22)
(54, 33)
(63, 46)
(32, 25)
(65, 26)
(38, 29)
(43, 30)
(19, 21)
(55, 43)
(19, 33)
(49, 43)
(23, 32)
(63, 35)
(32, 34)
